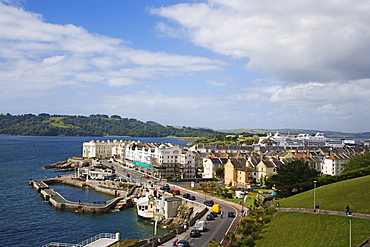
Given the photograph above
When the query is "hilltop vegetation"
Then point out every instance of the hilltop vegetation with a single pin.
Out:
(93, 125)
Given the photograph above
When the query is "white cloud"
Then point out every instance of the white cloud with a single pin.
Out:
(216, 83)
(314, 54)
(315, 93)
(38, 56)
(307, 40)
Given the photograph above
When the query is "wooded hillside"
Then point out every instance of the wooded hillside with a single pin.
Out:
(93, 125)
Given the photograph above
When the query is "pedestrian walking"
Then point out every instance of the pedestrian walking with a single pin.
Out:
(222, 213)
(317, 207)
(348, 210)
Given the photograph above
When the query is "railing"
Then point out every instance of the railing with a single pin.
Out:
(99, 236)
(56, 244)
(83, 243)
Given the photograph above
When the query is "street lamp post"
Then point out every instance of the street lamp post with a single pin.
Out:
(350, 230)
(314, 195)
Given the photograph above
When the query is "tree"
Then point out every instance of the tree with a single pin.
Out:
(230, 237)
(357, 162)
(293, 177)
(214, 243)
(220, 172)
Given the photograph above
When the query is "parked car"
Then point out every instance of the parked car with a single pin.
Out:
(165, 188)
(231, 214)
(210, 217)
(228, 195)
(192, 198)
(146, 176)
(186, 195)
(176, 192)
(195, 233)
(214, 214)
(183, 243)
(209, 203)
(201, 225)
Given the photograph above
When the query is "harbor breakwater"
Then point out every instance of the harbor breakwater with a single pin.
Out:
(123, 199)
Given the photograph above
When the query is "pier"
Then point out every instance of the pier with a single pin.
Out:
(122, 200)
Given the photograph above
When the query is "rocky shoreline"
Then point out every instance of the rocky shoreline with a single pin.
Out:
(69, 165)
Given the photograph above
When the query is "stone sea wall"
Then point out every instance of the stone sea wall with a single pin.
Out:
(123, 198)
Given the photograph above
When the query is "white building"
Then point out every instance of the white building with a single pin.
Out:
(161, 159)
(94, 172)
(152, 206)
(156, 159)
(97, 149)
(210, 166)
(333, 164)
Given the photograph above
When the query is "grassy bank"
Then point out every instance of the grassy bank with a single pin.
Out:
(336, 196)
(305, 229)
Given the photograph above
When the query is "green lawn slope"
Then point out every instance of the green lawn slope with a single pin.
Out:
(354, 192)
(316, 230)
(312, 229)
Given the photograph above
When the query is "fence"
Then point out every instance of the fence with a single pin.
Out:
(96, 237)
(85, 242)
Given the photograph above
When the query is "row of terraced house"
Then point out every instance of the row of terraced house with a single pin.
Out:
(156, 159)
(238, 165)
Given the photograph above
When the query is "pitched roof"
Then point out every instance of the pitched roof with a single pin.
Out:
(237, 164)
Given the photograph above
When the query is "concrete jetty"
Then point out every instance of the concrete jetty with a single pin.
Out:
(123, 199)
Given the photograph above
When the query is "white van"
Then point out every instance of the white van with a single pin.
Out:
(200, 225)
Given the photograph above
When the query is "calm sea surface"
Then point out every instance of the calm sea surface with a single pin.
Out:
(26, 220)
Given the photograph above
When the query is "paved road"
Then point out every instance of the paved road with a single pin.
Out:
(134, 176)
(216, 228)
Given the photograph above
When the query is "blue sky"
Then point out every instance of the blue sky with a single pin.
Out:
(221, 64)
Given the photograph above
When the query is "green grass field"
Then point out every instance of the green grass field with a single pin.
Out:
(306, 229)
(336, 196)
(57, 122)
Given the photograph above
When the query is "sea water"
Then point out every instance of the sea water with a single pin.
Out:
(27, 220)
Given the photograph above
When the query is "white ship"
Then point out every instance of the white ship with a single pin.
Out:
(146, 205)
(300, 140)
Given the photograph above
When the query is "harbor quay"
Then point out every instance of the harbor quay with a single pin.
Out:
(123, 199)
(130, 188)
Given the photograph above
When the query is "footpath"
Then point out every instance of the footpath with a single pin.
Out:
(321, 211)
